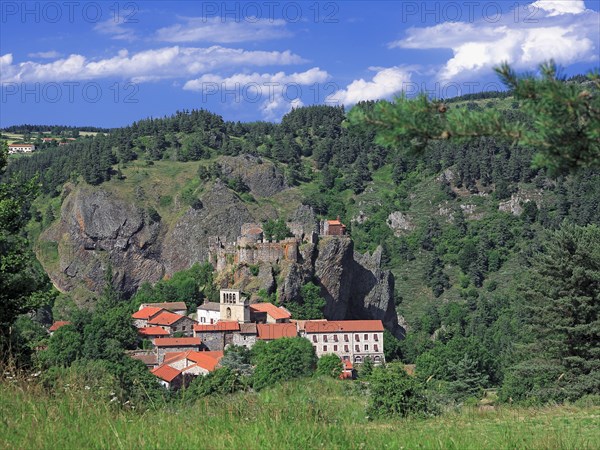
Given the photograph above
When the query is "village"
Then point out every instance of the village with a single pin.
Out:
(177, 346)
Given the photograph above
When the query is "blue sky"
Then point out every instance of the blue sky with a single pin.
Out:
(111, 63)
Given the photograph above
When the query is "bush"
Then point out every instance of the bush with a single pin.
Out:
(282, 359)
(222, 381)
(394, 393)
(329, 365)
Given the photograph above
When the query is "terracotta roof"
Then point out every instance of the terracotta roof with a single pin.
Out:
(248, 328)
(152, 331)
(171, 306)
(272, 310)
(348, 365)
(255, 231)
(270, 331)
(220, 326)
(166, 373)
(177, 342)
(335, 222)
(147, 312)
(210, 306)
(149, 360)
(206, 360)
(59, 323)
(333, 326)
(165, 318)
(301, 323)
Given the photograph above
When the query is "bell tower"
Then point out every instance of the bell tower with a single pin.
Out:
(234, 307)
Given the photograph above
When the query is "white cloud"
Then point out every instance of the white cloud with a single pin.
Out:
(116, 30)
(147, 65)
(385, 83)
(558, 7)
(45, 55)
(547, 29)
(200, 29)
(275, 93)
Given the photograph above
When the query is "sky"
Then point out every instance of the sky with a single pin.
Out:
(108, 64)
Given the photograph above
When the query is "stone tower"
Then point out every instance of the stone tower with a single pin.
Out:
(234, 307)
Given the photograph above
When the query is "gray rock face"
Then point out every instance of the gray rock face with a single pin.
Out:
(354, 286)
(262, 177)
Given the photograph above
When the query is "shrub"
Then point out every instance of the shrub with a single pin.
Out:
(394, 393)
(329, 365)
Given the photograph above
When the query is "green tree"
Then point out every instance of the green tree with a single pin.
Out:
(311, 303)
(64, 347)
(561, 306)
(276, 230)
(329, 365)
(281, 360)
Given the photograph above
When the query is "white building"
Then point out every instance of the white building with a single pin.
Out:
(351, 340)
(20, 148)
(209, 313)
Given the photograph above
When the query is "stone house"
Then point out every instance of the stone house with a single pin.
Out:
(173, 323)
(233, 306)
(152, 332)
(194, 363)
(333, 228)
(269, 313)
(351, 340)
(173, 345)
(168, 377)
(143, 315)
(246, 337)
(216, 336)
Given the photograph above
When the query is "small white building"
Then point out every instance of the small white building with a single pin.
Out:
(209, 313)
(20, 148)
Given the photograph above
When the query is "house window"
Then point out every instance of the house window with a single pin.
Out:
(335, 338)
(376, 347)
(314, 338)
(357, 348)
(228, 313)
(366, 337)
(346, 338)
(376, 337)
(346, 348)
(335, 348)
(366, 348)
(212, 321)
(324, 348)
(377, 359)
(324, 338)
(357, 338)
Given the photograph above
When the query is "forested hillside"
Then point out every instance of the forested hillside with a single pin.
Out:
(462, 227)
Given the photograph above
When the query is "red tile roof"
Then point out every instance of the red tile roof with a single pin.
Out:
(147, 312)
(59, 323)
(272, 310)
(149, 360)
(177, 342)
(270, 331)
(165, 318)
(166, 373)
(334, 222)
(333, 326)
(206, 360)
(153, 331)
(220, 326)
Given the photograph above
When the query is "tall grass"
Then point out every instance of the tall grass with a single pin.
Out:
(311, 413)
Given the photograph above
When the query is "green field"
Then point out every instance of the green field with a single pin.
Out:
(311, 413)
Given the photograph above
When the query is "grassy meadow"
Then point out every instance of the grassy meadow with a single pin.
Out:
(310, 413)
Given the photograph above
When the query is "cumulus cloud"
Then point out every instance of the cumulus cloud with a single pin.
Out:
(385, 83)
(275, 93)
(548, 29)
(201, 29)
(45, 55)
(147, 65)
